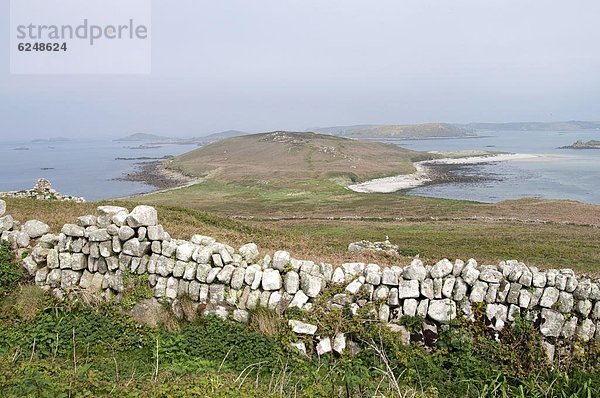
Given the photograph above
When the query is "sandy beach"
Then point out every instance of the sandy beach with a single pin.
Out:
(425, 175)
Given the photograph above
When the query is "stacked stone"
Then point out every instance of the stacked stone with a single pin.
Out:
(365, 245)
(95, 252)
(42, 191)
(230, 282)
(19, 236)
(98, 251)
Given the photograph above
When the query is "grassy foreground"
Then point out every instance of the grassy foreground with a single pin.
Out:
(52, 349)
(545, 245)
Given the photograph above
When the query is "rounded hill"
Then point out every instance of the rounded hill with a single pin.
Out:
(295, 156)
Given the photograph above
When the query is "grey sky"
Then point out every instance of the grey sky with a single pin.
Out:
(281, 64)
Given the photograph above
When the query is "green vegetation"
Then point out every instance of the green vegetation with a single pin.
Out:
(289, 157)
(10, 276)
(76, 349)
(296, 201)
(136, 290)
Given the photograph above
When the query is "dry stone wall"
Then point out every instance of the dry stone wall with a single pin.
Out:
(98, 251)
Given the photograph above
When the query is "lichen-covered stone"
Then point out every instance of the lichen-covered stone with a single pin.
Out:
(311, 285)
(142, 216)
(478, 292)
(586, 330)
(549, 297)
(135, 248)
(415, 271)
(441, 269)
(442, 310)
(354, 286)
(552, 323)
(271, 279)
(299, 299)
(280, 260)
(408, 289)
(470, 274)
(323, 346)
(99, 235)
(291, 282)
(184, 251)
(249, 252)
(73, 230)
(490, 274)
(302, 327)
(389, 276)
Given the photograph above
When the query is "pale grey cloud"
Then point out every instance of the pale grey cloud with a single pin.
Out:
(270, 64)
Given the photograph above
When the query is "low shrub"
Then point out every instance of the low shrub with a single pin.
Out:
(11, 273)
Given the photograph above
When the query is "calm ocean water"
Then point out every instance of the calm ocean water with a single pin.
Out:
(89, 168)
(79, 168)
(563, 174)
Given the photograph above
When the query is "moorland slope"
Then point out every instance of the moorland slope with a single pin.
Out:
(295, 156)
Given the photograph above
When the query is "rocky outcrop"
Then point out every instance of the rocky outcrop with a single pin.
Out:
(583, 145)
(365, 245)
(98, 251)
(42, 191)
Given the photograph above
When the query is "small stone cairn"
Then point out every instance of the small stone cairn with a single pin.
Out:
(42, 191)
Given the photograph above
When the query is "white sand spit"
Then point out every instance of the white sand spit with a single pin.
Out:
(422, 175)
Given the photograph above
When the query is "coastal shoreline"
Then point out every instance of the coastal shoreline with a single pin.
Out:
(432, 172)
(158, 175)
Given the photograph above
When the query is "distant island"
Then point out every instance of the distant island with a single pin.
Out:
(572, 125)
(294, 157)
(51, 139)
(159, 139)
(386, 131)
(579, 144)
(398, 131)
(447, 130)
(224, 134)
(137, 137)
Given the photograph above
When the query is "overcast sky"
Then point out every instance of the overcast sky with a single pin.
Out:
(280, 64)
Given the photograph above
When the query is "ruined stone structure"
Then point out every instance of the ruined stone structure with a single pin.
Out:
(42, 191)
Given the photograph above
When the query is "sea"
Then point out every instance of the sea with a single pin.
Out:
(556, 174)
(90, 169)
(94, 169)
